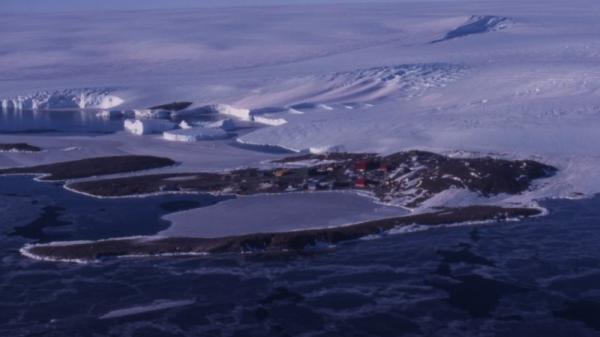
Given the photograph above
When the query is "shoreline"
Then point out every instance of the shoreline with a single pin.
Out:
(297, 242)
(19, 148)
(388, 180)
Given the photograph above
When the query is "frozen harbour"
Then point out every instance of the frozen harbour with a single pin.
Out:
(277, 213)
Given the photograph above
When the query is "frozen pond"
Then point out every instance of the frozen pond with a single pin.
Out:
(277, 213)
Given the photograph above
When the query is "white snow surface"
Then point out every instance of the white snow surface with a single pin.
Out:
(357, 77)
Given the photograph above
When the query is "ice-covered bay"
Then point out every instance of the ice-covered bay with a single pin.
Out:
(277, 213)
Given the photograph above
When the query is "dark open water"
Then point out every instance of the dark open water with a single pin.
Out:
(539, 277)
(59, 122)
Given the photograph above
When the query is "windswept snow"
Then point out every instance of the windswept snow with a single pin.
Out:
(356, 86)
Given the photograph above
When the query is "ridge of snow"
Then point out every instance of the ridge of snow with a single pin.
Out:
(476, 24)
(356, 86)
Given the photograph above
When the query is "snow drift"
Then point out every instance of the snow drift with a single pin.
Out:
(354, 86)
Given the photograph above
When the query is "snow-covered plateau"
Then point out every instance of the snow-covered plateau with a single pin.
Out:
(511, 79)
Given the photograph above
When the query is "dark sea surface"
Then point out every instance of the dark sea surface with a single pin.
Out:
(539, 277)
(57, 122)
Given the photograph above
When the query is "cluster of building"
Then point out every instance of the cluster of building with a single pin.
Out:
(352, 171)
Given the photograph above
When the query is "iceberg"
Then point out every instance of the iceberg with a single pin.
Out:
(185, 125)
(147, 126)
(241, 114)
(194, 134)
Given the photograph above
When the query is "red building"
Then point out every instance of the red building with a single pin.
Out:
(361, 166)
(360, 182)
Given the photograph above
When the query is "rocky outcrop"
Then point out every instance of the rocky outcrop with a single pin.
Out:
(285, 242)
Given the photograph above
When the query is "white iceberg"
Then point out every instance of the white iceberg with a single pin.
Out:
(147, 126)
(241, 114)
(185, 125)
(194, 134)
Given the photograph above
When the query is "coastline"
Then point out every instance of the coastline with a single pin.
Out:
(285, 242)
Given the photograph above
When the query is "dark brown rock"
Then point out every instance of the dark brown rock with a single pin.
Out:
(296, 241)
(92, 167)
